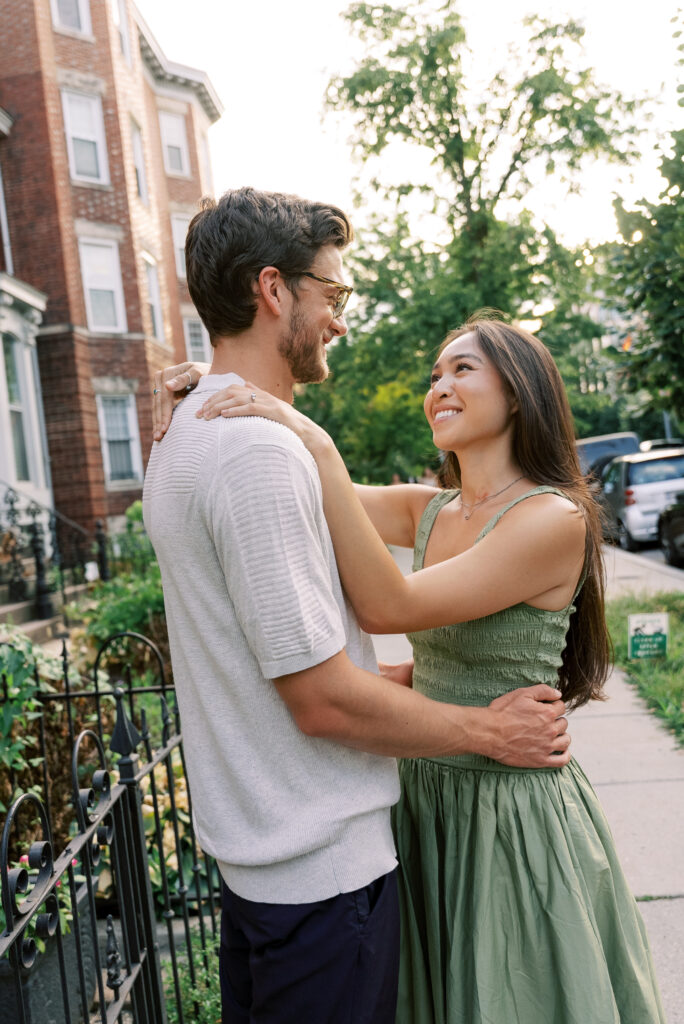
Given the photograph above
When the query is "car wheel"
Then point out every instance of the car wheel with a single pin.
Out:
(672, 556)
(625, 538)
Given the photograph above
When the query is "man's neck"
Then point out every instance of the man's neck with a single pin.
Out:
(255, 361)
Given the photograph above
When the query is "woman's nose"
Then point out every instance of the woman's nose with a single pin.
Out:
(442, 387)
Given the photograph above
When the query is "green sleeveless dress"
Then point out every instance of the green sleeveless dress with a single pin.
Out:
(514, 907)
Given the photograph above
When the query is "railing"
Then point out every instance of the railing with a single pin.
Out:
(107, 972)
(43, 551)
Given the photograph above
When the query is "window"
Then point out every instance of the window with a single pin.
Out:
(657, 471)
(73, 14)
(16, 393)
(179, 227)
(101, 273)
(119, 437)
(120, 16)
(139, 163)
(84, 126)
(197, 343)
(174, 143)
(154, 297)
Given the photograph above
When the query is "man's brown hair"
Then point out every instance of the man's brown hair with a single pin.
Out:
(230, 241)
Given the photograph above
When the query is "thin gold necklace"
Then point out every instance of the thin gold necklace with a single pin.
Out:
(475, 504)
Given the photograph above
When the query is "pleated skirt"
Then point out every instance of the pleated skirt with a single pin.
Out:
(514, 907)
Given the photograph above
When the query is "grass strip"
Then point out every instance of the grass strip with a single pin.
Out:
(660, 681)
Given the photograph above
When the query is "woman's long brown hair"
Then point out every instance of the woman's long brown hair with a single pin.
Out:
(544, 447)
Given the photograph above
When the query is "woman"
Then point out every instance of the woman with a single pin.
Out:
(514, 907)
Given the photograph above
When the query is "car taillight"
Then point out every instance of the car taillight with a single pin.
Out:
(629, 497)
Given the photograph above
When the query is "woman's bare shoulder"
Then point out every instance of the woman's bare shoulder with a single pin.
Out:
(550, 513)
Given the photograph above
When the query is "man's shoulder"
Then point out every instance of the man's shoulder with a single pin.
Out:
(260, 438)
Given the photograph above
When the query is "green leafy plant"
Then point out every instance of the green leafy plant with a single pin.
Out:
(64, 906)
(660, 681)
(19, 709)
(31, 675)
(201, 1002)
(131, 602)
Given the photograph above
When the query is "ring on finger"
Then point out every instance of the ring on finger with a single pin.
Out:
(155, 391)
(252, 396)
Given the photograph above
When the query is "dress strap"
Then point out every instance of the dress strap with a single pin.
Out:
(427, 521)
(542, 489)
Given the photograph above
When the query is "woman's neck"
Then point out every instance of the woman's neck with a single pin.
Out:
(485, 473)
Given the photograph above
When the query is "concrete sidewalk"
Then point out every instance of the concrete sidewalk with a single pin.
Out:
(638, 773)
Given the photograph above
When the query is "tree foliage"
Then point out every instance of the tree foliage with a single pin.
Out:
(543, 114)
(544, 107)
(649, 269)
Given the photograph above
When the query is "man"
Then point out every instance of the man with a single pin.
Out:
(289, 733)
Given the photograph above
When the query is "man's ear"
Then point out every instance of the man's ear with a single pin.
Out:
(270, 287)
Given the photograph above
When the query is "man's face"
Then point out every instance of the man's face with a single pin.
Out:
(312, 325)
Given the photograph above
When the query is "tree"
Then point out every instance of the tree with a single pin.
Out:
(649, 269)
(544, 114)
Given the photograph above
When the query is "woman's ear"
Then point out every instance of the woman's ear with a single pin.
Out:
(269, 288)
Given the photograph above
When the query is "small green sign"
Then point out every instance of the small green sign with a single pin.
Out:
(648, 634)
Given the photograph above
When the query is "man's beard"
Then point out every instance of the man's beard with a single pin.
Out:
(302, 348)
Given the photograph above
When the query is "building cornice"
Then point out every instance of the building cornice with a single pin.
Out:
(23, 296)
(167, 72)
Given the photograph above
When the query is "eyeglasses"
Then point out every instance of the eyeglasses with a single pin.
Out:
(343, 292)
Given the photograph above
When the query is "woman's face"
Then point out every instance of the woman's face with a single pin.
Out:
(467, 402)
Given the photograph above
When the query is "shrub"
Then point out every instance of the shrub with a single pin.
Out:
(201, 1002)
(660, 681)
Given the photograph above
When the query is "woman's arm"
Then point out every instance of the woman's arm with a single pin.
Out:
(538, 549)
(170, 385)
(395, 511)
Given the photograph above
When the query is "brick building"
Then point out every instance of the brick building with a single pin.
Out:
(103, 157)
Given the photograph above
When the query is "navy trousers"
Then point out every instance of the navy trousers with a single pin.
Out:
(331, 962)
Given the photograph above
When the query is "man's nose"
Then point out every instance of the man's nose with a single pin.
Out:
(339, 326)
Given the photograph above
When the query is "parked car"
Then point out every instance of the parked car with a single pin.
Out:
(671, 531)
(634, 491)
(604, 447)
(661, 442)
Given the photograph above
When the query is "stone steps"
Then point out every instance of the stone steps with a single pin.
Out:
(40, 631)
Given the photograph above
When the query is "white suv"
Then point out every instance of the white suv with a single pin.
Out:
(635, 490)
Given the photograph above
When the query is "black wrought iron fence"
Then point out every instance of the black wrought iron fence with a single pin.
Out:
(43, 552)
(61, 960)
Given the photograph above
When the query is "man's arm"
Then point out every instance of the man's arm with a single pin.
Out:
(401, 673)
(338, 701)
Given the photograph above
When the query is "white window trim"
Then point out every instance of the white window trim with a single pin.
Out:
(179, 229)
(120, 18)
(99, 138)
(25, 408)
(185, 153)
(86, 28)
(208, 352)
(154, 296)
(4, 231)
(134, 432)
(117, 287)
(138, 147)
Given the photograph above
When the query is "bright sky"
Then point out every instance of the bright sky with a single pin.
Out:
(270, 62)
